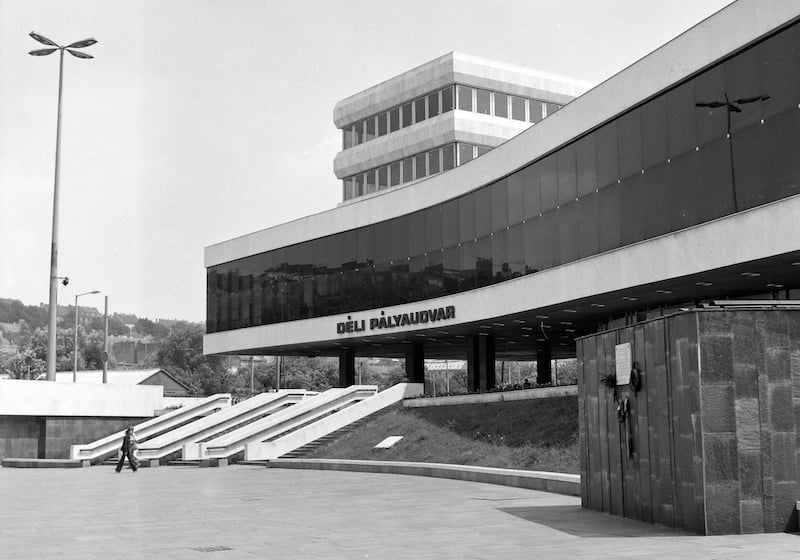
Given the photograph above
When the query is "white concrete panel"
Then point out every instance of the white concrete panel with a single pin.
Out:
(46, 398)
(737, 25)
(464, 69)
(758, 233)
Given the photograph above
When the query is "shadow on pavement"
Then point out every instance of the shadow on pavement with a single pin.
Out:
(575, 520)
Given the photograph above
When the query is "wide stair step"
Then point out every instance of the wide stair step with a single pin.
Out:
(325, 440)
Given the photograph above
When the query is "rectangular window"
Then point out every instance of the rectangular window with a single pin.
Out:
(370, 132)
(518, 108)
(394, 174)
(433, 104)
(483, 101)
(383, 124)
(408, 115)
(448, 157)
(447, 99)
(465, 98)
(348, 188)
(371, 184)
(358, 136)
(347, 137)
(360, 185)
(419, 110)
(465, 152)
(433, 162)
(408, 170)
(501, 105)
(551, 108)
(383, 177)
(394, 119)
(535, 112)
(421, 168)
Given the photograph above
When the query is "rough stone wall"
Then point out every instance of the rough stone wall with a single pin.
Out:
(751, 419)
(712, 444)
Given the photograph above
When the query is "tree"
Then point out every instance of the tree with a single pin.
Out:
(181, 354)
(149, 328)
(22, 365)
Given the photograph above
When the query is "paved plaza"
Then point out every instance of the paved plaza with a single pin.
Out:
(255, 512)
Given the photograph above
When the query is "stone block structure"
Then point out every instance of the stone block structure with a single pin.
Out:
(710, 443)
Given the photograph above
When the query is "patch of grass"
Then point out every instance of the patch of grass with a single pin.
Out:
(538, 434)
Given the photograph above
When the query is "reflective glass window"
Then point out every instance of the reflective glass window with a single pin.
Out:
(383, 124)
(408, 170)
(682, 118)
(394, 174)
(548, 175)
(466, 218)
(464, 153)
(400, 239)
(567, 177)
(433, 229)
(551, 108)
(483, 101)
(408, 114)
(419, 110)
(420, 167)
(433, 162)
(394, 119)
(516, 198)
(709, 89)
(450, 233)
(607, 163)
(655, 132)
(531, 190)
(742, 90)
(499, 203)
(501, 105)
(482, 150)
(535, 110)
(588, 225)
(500, 268)
(383, 177)
(416, 233)
(779, 72)
(370, 131)
(464, 98)
(629, 138)
(484, 272)
(585, 153)
(518, 108)
(433, 104)
(448, 157)
(447, 99)
(567, 220)
(483, 212)
(516, 251)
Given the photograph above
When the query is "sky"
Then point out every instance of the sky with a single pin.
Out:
(199, 121)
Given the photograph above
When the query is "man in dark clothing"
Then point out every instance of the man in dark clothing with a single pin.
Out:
(128, 447)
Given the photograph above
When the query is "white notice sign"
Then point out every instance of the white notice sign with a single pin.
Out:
(623, 352)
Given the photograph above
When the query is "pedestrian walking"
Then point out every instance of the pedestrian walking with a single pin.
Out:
(127, 450)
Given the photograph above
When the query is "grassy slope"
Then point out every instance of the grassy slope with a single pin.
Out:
(538, 434)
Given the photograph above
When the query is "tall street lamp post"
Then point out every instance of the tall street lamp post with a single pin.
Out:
(53, 303)
(75, 341)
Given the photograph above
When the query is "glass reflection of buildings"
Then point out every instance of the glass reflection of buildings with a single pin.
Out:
(659, 167)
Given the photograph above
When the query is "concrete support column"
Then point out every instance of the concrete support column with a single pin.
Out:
(347, 367)
(480, 363)
(544, 373)
(415, 363)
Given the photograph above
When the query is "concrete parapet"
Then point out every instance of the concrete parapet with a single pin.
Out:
(559, 483)
(499, 396)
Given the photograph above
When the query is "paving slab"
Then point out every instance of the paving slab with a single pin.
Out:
(253, 512)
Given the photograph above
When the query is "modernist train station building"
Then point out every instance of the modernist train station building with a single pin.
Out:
(495, 213)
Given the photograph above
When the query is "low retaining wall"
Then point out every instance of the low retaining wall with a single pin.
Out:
(499, 396)
(558, 483)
